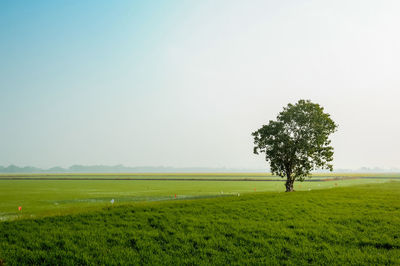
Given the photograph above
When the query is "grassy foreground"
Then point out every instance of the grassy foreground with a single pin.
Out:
(345, 225)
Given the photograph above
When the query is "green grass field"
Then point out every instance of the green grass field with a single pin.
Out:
(345, 225)
(335, 221)
(58, 197)
(189, 175)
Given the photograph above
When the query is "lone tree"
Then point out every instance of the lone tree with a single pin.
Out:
(297, 142)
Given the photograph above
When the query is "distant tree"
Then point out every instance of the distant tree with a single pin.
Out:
(297, 142)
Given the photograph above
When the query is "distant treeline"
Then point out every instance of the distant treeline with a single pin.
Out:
(122, 169)
(162, 169)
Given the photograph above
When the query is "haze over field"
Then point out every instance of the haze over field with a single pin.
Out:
(183, 84)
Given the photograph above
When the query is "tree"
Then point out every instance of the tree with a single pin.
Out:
(297, 142)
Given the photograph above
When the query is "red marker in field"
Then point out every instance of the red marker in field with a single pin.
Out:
(175, 196)
(19, 208)
(254, 189)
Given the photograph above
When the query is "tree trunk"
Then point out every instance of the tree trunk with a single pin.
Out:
(289, 184)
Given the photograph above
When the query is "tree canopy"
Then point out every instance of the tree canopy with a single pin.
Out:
(297, 142)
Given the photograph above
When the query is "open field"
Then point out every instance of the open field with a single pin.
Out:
(212, 176)
(54, 197)
(343, 225)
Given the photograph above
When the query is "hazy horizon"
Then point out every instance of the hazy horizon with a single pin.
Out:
(76, 168)
(183, 84)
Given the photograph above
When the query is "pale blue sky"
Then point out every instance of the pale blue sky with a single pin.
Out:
(184, 83)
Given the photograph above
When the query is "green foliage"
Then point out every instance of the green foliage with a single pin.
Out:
(297, 142)
(342, 226)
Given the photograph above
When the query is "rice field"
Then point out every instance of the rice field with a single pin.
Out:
(334, 222)
(46, 195)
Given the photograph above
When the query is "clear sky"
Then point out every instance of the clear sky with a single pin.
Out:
(184, 83)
